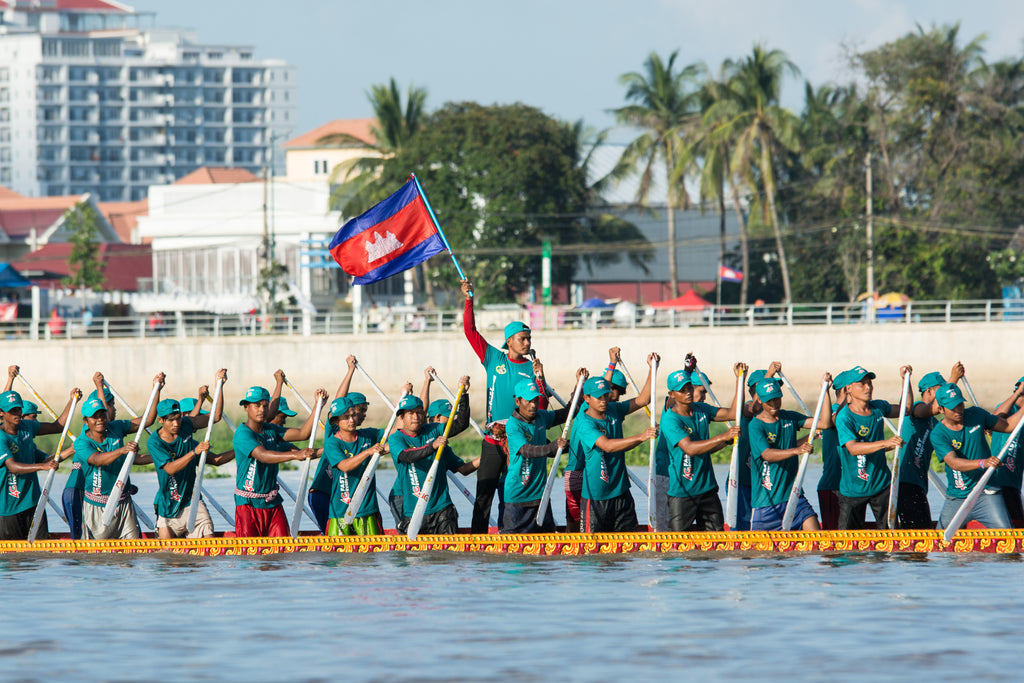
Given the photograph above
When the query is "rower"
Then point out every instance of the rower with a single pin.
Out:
(413, 448)
(1008, 477)
(528, 447)
(831, 469)
(505, 369)
(260, 446)
(19, 462)
(775, 450)
(693, 489)
(175, 455)
(751, 409)
(100, 450)
(865, 473)
(346, 454)
(598, 449)
(960, 439)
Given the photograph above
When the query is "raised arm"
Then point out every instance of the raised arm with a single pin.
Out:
(729, 413)
(425, 391)
(12, 372)
(275, 395)
(894, 409)
(346, 381)
(57, 426)
(1006, 406)
(475, 339)
(303, 432)
(150, 417)
(644, 397)
(825, 420)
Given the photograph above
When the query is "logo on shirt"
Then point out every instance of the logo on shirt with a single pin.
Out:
(862, 472)
(863, 430)
(973, 429)
(958, 481)
(501, 369)
(687, 468)
(766, 477)
(771, 437)
(12, 486)
(956, 444)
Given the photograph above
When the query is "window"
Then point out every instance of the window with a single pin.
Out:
(320, 167)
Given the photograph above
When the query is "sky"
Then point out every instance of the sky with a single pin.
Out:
(563, 56)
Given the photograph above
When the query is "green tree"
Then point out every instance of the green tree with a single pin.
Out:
(357, 182)
(664, 102)
(502, 179)
(82, 223)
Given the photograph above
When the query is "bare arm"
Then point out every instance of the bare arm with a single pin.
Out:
(715, 443)
(346, 381)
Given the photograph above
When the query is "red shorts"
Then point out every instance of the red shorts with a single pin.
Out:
(828, 501)
(253, 522)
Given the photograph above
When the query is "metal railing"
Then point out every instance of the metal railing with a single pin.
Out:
(385, 321)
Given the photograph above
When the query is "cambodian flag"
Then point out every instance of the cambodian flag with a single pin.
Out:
(726, 274)
(393, 236)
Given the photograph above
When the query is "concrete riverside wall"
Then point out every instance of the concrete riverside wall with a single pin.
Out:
(986, 349)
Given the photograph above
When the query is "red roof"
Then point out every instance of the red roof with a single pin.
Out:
(357, 128)
(209, 175)
(124, 216)
(72, 6)
(6, 192)
(18, 215)
(688, 301)
(124, 265)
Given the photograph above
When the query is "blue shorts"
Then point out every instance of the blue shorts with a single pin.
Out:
(770, 518)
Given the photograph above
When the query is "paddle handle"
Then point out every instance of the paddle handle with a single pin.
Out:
(652, 521)
(300, 496)
(43, 403)
(793, 392)
(542, 511)
(356, 501)
(798, 483)
(732, 496)
(376, 387)
(428, 484)
(37, 516)
(970, 391)
(711, 393)
(897, 460)
(303, 403)
(197, 488)
(633, 383)
(124, 403)
(451, 397)
(126, 467)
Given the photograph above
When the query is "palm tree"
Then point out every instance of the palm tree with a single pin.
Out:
(357, 179)
(663, 103)
(760, 127)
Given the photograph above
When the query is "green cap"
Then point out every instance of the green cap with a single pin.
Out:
(107, 396)
(679, 379)
(356, 398)
(932, 379)
(439, 407)
(512, 329)
(255, 395)
(526, 390)
(9, 400)
(166, 407)
(29, 408)
(409, 402)
(618, 380)
(851, 376)
(89, 408)
(769, 388)
(596, 387)
(187, 404)
(697, 380)
(283, 408)
(949, 396)
(339, 407)
(756, 376)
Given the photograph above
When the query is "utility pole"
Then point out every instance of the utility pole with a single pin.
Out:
(266, 222)
(871, 236)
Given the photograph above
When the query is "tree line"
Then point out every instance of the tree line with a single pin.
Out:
(927, 129)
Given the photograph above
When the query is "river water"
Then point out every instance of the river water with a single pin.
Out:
(430, 616)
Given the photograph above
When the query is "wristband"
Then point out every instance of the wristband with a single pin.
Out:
(611, 367)
(981, 464)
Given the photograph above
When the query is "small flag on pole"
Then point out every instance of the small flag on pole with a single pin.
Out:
(393, 236)
(727, 274)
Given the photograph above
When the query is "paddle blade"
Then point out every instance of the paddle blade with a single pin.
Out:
(423, 498)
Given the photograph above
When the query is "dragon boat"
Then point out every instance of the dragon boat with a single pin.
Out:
(970, 540)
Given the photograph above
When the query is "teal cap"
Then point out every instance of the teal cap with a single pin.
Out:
(187, 404)
(756, 376)
(439, 407)
(255, 395)
(697, 380)
(512, 329)
(851, 376)
(339, 406)
(932, 379)
(409, 402)
(770, 388)
(526, 390)
(679, 379)
(107, 396)
(284, 409)
(949, 396)
(166, 407)
(91, 407)
(9, 400)
(356, 398)
(618, 380)
(29, 408)
(596, 386)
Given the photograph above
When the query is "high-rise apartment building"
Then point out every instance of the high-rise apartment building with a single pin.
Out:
(94, 99)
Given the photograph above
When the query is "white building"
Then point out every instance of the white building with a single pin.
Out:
(93, 101)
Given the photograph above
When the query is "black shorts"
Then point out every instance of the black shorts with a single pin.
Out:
(443, 522)
(401, 523)
(705, 509)
(615, 515)
(16, 527)
(522, 519)
(1011, 494)
(912, 508)
(852, 511)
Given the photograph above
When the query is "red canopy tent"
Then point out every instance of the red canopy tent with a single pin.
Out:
(690, 301)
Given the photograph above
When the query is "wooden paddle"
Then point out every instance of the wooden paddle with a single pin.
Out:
(798, 483)
(356, 501)
(122, 477)
(542, 511)
(193, 509)
(37, 517)
(970, 391)
(651, 486)
(894, 484)
(304, 404)
(53, 415)
(428, 484)
(300, 495)
(451, 397)
(711, 393)
(732, 497)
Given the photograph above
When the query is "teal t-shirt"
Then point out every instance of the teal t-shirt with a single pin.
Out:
(916, 454)
(174, 491)
(20, 491)
(774, 480)
(615, 414)
(254, 476)
(412, 475)
(970, 443)
(831, 469)
(344, 484)
(661, 458)
(744, 450)
(323, 478)
(502, 377)
(525, 480)
(604, 474)
(688, 475)
(1010, 473)
(99, 481)
(863, 475)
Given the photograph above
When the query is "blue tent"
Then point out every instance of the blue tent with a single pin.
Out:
(9, 277)
(595, 303)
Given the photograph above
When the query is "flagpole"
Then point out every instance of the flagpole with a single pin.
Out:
(430, 210)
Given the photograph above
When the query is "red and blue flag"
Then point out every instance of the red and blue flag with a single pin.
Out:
(393, 236)
(727, 274)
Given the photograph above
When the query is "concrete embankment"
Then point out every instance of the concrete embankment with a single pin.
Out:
(986, 349)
